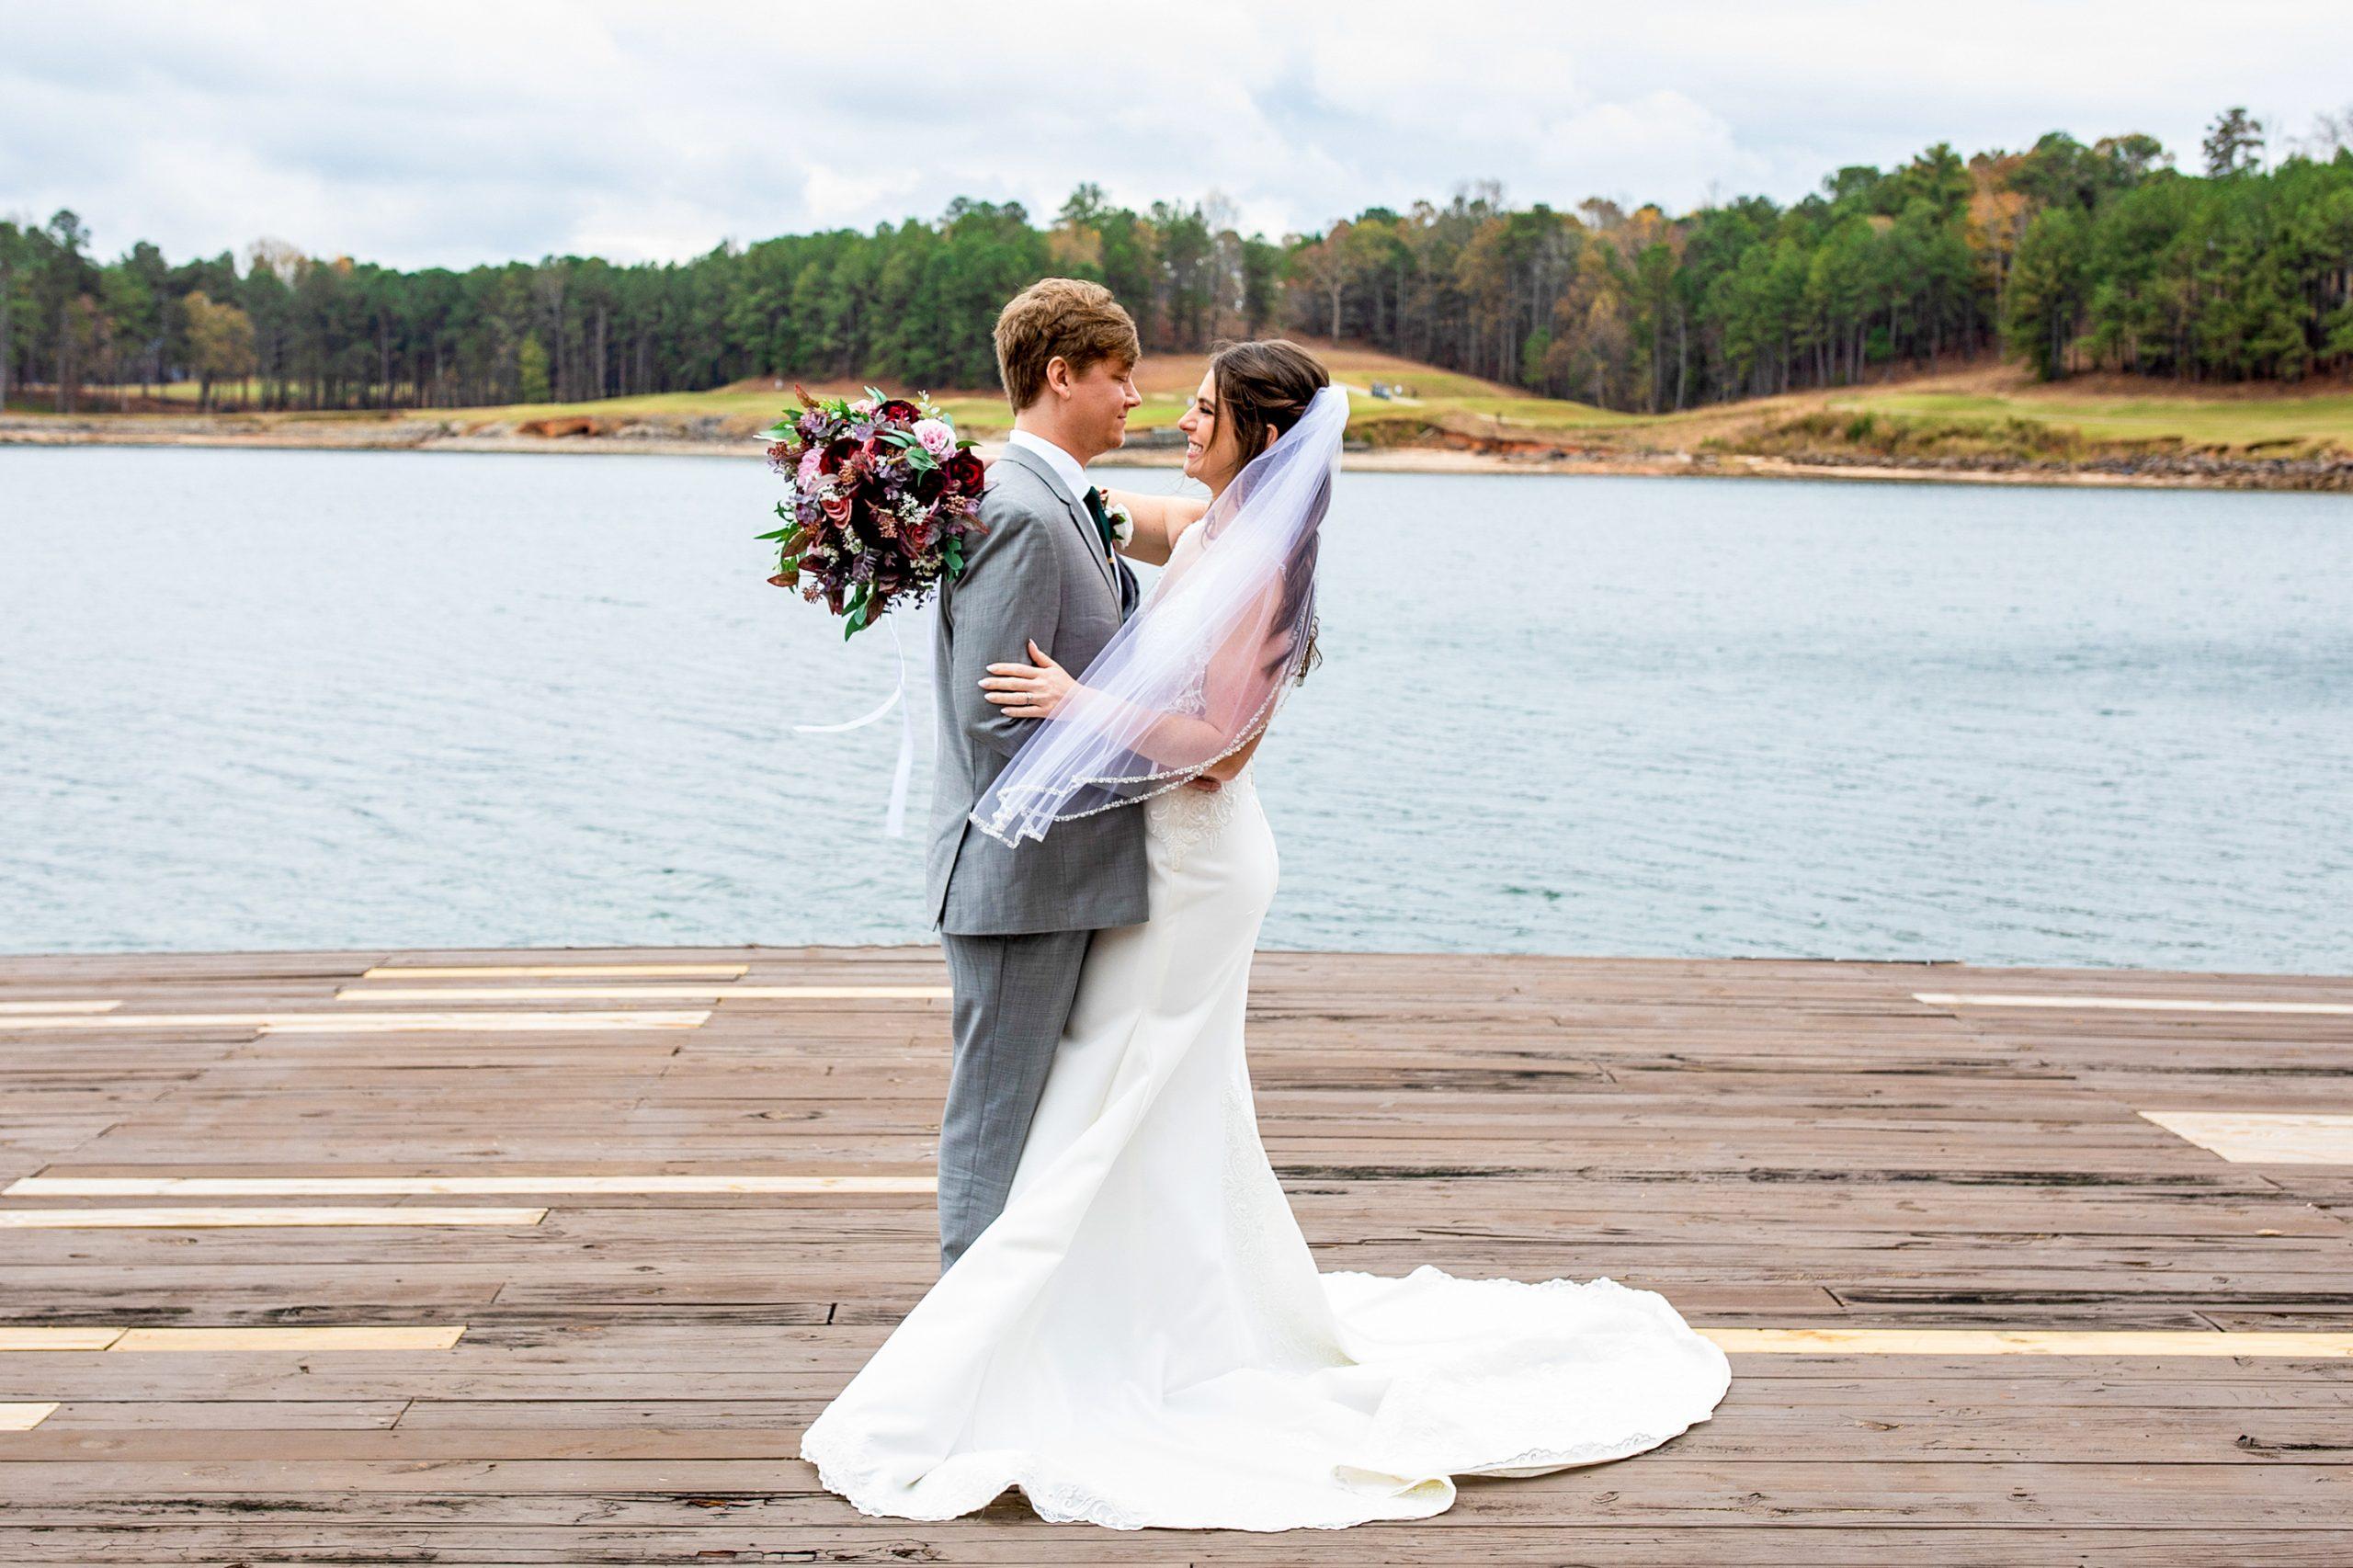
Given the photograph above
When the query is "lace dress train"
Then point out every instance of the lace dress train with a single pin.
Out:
(1142, 1338)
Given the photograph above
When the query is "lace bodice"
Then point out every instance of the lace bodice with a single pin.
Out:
(1185, 818)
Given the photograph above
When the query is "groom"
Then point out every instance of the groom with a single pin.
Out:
(1016, 922)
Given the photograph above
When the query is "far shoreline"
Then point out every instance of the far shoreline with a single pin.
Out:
(428, 435)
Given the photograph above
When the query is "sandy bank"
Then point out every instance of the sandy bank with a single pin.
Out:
(411, 433)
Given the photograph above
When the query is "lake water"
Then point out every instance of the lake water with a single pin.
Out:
(278, 700)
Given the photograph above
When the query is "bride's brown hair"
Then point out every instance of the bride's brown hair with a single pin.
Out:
(1262, 389)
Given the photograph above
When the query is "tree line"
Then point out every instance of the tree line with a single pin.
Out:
(2070, 256)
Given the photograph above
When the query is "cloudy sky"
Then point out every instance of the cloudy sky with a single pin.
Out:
(430, 134)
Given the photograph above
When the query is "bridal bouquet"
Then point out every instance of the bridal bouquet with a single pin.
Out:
(884, 496)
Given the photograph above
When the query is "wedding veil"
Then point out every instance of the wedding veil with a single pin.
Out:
(1201, 667)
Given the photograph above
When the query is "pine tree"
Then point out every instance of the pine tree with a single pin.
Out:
(2234, 144)
(531, 372)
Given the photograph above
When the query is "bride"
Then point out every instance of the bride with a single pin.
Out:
(1142, 1337)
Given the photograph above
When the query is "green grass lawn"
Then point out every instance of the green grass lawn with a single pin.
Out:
(1536, 413)
(246, 393)
(1166, 382)
(987, 415)
(1978, 407)
(2235, 423)
(2268, 425)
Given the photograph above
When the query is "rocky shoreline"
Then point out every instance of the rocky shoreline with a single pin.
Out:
(1444, 452)
(2166, 470)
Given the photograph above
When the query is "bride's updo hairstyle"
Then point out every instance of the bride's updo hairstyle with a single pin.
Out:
(1262, 389)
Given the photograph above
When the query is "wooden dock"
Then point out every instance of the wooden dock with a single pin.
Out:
(547, 1257)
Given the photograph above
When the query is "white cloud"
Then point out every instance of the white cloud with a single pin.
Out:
(435, 133)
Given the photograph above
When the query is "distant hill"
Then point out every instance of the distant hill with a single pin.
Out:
(1978, 417)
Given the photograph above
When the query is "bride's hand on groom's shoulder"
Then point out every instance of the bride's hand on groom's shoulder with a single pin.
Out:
(1028, 691)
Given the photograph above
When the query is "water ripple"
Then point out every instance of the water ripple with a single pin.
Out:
(324, 700)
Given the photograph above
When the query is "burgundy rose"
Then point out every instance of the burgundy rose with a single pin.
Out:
(899, 411)
(966, 473)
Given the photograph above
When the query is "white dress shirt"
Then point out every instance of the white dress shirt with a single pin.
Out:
(1066, 467)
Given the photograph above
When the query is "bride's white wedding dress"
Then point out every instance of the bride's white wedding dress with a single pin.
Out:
(1143, 1339)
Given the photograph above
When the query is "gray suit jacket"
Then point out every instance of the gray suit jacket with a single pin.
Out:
(1037, 573)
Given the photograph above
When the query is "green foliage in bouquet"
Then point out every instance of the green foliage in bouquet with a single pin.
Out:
(884, 501)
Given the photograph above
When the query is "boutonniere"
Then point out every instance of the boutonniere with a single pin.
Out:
(1123, 523)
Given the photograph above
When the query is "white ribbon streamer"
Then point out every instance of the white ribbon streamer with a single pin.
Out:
(894, 818)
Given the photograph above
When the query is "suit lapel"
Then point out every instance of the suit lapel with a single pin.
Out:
(1077, 514)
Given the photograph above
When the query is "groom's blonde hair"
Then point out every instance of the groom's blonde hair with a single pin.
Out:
(1068, 318)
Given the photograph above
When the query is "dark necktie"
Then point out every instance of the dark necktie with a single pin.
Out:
(1095, 510)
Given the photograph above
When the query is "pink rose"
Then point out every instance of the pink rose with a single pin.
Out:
(807, 477)
(936, 437)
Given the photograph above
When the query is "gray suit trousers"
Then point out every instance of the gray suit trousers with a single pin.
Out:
(1013, 996)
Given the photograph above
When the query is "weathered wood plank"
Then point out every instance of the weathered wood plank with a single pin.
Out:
(999, 1540)
(735, 1212)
